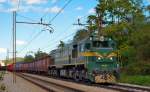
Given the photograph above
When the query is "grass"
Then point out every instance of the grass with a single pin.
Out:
(2, 74)
(143, 80)
(2, 85)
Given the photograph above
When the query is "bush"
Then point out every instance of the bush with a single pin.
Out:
(140, 68)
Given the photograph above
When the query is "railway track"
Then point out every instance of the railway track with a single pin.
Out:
(49, 86)
(117, 87)
(125, 87)
(61, 85)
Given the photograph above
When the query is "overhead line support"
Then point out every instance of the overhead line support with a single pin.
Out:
(14, 38)
(45, 24)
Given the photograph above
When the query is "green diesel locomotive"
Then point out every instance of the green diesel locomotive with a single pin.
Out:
(92, 59)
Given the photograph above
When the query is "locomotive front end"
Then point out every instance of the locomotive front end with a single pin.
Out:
(103, 65)
(106, 66)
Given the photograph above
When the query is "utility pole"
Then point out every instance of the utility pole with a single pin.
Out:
(7, 56)
(14, 46)
(50, 29)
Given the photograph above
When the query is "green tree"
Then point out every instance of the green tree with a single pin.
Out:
(140, 59)
(40, 54)
(81, 34)
(61, 45)
(28, 58)
(91, 20)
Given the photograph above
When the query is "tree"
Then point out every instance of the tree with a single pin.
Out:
(81, 34)
(28, 58)
(148, 9)
(39, 54)
(61, 45)
(10, 61)
(139, 61)
(91, 20)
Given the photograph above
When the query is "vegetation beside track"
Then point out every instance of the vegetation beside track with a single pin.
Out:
(143, 80)
(2, 85)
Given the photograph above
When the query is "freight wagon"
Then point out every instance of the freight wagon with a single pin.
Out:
(37, 66)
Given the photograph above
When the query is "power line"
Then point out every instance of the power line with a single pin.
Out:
(58, 36)
(47, 11)
(49, 22)
(52, 43)
(58, 41)
(60, 11)
(26, 17)
(18, 4)
(30, 41)
(66, 29)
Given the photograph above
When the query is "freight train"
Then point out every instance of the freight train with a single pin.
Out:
(91, 59)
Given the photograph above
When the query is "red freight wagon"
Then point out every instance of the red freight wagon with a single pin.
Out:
(10, 67)
(41, 65)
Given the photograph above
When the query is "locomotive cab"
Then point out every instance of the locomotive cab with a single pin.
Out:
(102, 63)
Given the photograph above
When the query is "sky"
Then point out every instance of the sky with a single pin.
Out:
(32, 37)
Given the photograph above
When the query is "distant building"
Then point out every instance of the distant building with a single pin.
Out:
(2, 63)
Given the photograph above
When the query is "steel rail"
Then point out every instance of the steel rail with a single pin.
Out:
(49, 86)
(130, 87)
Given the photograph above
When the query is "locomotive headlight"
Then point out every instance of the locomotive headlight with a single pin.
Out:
(99, 58)
(111, 58)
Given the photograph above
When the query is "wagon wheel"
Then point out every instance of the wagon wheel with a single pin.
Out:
(75, 77)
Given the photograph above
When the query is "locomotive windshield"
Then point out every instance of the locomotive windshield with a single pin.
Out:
(98, 44)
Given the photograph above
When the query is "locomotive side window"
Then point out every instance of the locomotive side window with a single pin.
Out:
(87, 46)
(75, 51)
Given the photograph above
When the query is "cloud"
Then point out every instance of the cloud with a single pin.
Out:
(13, 2)
(79, 8)
(36, 1)
(27, 6)
(3, 1)
(54, 9)
(20, 42)
(3, 50)
(79, 17)
(11, 9)
(92, 11)
(30, 8)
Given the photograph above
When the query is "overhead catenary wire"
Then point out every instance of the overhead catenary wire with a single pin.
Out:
(56, 42)
(50, 21)
(59, 35)
(48, 11)
(18, 6)
(59, 40)
(30, 41)
(28, 18)
(69, 1)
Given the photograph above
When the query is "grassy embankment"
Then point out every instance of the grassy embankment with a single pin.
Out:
(2, 85)
(143, 80)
